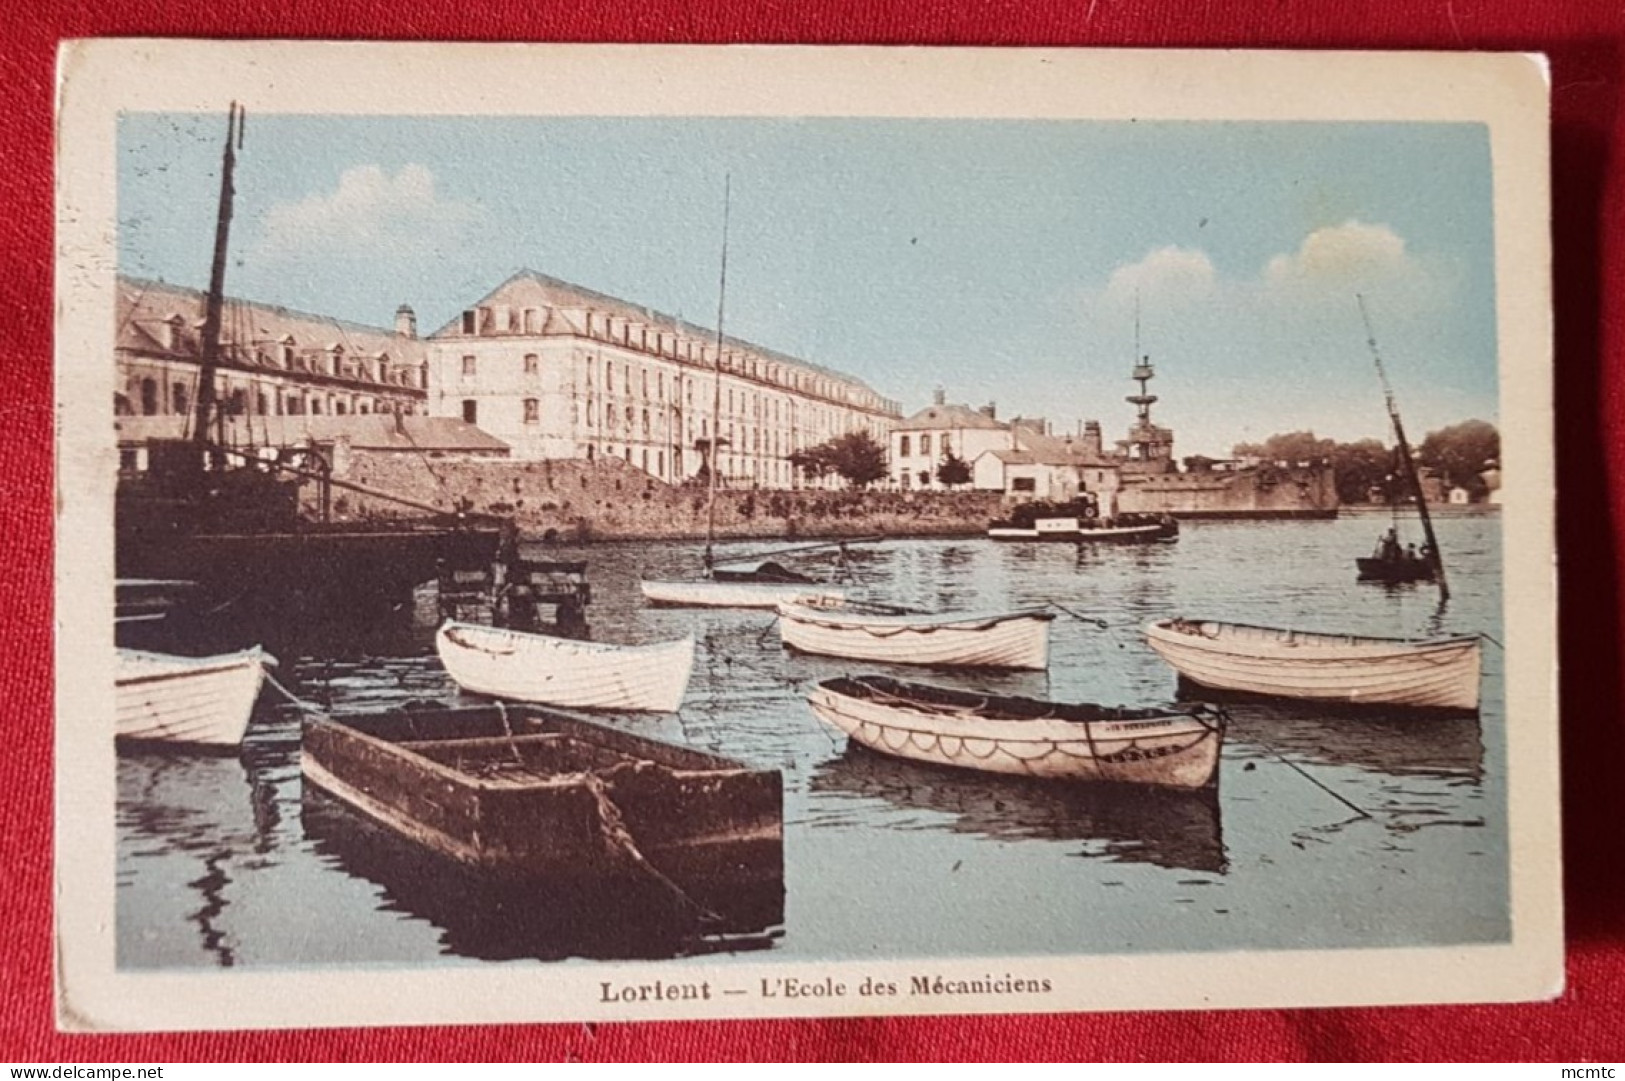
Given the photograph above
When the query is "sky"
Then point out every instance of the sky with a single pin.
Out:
(1003, 261)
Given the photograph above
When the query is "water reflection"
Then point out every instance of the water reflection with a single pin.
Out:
(1116, 823)
(213, 813)
(219, 861)
(488, 918)
(1394, 743)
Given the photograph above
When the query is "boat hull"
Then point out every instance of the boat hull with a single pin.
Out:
(189, 701)
(974, 640)
(1176, 750)
(565, 672)
(721, 594)
(539, 807)
(1388, 570)
(1441, 674)
(1074, 531)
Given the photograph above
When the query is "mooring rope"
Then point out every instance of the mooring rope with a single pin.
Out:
(613, 828)
(1101, 623)
(297, 702)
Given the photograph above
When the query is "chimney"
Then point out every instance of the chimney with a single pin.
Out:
(990, 411)
(939, 397)
(406, 321)
(1091, 437)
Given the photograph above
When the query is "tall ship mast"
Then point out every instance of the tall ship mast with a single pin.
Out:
(228, 520)
(1392, 564)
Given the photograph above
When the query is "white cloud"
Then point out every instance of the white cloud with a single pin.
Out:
(1167, 275)
(1339, 258)
(369, 214)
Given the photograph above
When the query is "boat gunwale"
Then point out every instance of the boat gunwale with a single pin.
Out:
(1127, 714)
(449, 628)
(188, 667)
(575, 778)
(971, 621)
(1162, 630)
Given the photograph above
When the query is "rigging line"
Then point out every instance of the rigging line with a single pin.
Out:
(1101, 623)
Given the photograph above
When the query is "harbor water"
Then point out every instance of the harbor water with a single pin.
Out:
(1325, 830)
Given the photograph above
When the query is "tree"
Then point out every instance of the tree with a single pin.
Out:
(1289, 447)
(814, 463)
(1359, 468)
(1461, 452)
(855, 457)
(953, 471)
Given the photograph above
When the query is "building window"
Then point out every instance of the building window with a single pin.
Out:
(531, 364)
(533, 411)
(902, 451)
(468, 322)
(149, 397)
(261, 406)
(238, 403)
(943, 442)
(925, 446)
(316, 407)
(1023, 484)
(177, 397)
(471, 411)
(468, 367)
(592, 410)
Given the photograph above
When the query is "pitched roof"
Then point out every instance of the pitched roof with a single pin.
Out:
(950, 417)
(143, 306)
(533, 289)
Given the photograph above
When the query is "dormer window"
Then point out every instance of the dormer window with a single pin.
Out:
(469, 325)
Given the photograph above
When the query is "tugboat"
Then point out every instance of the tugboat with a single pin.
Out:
(228, 520)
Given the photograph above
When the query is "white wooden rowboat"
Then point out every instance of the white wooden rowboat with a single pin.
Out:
(1025, 736)
(565, 672)
(714, 593)
(1438, 673)
(199, 701)
(1017, 639)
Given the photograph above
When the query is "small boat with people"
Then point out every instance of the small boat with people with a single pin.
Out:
(1176, 747)
(1007, 639)
(1348, 669)
(1389, 562)
(1079, 521)
(1392, 562)
(553, 671)
(202, 702)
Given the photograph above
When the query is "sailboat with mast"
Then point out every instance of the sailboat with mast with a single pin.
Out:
(1390, 562)
(228, 519)
(762, 585)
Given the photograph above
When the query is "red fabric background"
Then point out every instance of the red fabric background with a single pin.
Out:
(1585, 40)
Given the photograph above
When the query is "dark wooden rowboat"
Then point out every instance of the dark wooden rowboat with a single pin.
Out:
(523, 794)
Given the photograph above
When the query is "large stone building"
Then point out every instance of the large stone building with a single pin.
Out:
(559, 371)
(273, 361)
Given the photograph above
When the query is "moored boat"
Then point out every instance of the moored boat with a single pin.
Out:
(719, 593)
(1011, 639)
(1174, 747)
(1435, 673)
(1077, 522)
(546, 801)
(191, 701)
(565, 672)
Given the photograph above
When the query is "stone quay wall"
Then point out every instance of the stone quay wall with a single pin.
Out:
(1267, 491)
(611, 500)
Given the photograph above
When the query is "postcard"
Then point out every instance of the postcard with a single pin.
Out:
(612, 533)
